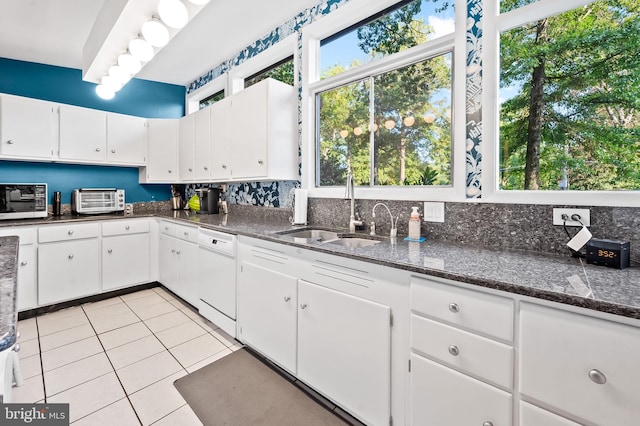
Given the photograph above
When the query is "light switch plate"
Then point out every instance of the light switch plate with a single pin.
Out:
(433, 212)
(585, 217)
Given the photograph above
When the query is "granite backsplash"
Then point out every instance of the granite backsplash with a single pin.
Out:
(517, 226)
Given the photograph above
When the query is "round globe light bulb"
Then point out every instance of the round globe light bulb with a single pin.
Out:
(429, 118)
(344, 133)
(141, 49)
(357, 131)
(155, 33)
(119, 74)
(409, 121)
(130, 64)
(110, 83)
(389, 124)
(105, 92)
(173, 13)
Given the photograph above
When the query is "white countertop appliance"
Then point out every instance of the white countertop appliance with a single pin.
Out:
(97, 200)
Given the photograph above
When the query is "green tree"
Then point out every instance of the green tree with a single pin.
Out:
(576, 114)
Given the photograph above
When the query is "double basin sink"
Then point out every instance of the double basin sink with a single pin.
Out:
(324, 236)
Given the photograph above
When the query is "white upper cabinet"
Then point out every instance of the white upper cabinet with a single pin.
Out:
(262, 132)
(28, 128)
(162, 152)
(186, 148)
(220, 162)
(126, 139)
(202, 144)
(83, 134)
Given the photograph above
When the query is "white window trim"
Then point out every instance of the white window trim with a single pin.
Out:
(494, 23)
(355, 11)
(214, 86)
(279, 51)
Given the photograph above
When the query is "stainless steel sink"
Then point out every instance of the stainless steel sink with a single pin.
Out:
(306, 235)
(353, 242)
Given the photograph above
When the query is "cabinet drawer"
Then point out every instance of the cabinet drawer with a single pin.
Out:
(530, 415)
(443, 397)
(585, 366)
(26, 235)
(474, 310)
(168, 228)
(125, 227)
(68, 232)
(473, 354)
(187, 233)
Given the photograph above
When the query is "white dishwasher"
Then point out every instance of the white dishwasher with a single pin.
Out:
(217, 278)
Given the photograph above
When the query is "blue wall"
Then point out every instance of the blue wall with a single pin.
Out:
(65, 85)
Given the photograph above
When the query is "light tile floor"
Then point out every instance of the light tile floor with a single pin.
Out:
(116, 360)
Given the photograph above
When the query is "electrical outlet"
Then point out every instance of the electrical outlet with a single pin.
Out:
(433, 212)
(585, 217)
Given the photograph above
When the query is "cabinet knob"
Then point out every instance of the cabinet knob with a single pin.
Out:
(16, 347)
(173, 250)
(224, 166)
(97, 149)
(70, 256)
(178, 252)
(113, 151)
(190, 169)
(287, 298)
(597, 376)
(70, 232)
(10, 142)
(169, 171)
(23, 263)
(186, 234)
(487, 423)
(206, 168)
(110, 251)
(453, 307)
(260, 162)
(453, 350)
(303, 306)
(127, 227)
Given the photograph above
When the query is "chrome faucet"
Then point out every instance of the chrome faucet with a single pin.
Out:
(351, 194)
(394, 225)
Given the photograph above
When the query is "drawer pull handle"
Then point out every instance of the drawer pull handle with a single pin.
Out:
(487, 423)
(127, 227)
(16, 347)
(303, 306)
(70, 232)
(169, 171)
(453, 307)
(260, 162)
(453, 350)
(23, 263)
(173, 250)
(113, 151)
(10, 142)
(597, 376)
(178, 252)
(110, 251)
(97, 149)
(287, 298)
(70, 256)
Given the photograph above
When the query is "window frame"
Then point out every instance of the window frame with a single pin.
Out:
(337, 21)
(214, 86)
(494, 24)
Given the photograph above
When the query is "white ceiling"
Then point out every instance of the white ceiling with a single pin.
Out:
(54, 32)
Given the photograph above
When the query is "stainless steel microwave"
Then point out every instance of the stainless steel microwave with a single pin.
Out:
(23, 200)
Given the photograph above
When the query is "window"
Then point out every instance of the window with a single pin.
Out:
(387, 119)
(282, 71)
(218, 96)
(570, 88)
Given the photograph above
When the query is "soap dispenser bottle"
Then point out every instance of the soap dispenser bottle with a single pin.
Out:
(414, 224)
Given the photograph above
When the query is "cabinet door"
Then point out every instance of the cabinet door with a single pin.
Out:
(186, 147)
(530, 415)
(168, 273)
(442, 396)
(267, 313)
(217, 281)
(125, 260)
(248, 134)
(83, 134)
(162, 151)
(27, 128)
(344, 350)
(27, 278)
(202, 137)
(188, 272)
(220, 162)
(126, 138)
(68, 270)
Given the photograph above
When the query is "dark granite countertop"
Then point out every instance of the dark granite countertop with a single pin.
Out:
(551, 277)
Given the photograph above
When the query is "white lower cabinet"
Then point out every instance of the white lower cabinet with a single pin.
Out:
(267, 313)
(344, 350)
(441, 396)
(585, 367)
(179, 260)
(68, 270)
(125, 253)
